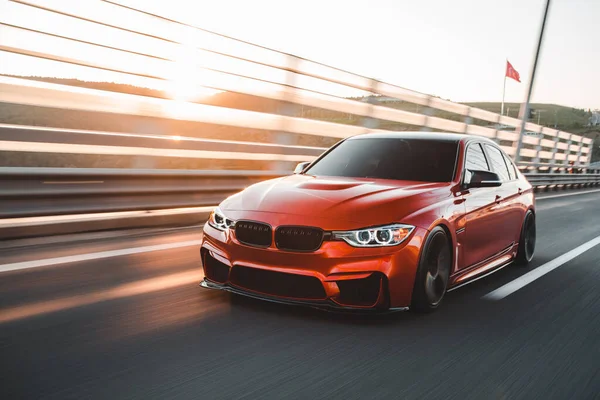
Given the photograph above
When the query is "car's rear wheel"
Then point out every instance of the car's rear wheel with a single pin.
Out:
(433, 272)
(527, 240)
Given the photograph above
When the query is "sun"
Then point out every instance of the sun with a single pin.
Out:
(187, 80)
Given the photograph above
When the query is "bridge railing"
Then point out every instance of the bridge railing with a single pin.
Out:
(136, 47)
(293, 110)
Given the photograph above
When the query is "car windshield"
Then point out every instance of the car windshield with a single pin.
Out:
(390, 158)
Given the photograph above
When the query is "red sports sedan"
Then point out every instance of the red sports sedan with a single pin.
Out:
(378, 222)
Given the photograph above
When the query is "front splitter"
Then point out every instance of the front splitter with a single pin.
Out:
(324, 305)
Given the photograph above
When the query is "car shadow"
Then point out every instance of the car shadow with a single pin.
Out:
(461, 305)
(247, 304)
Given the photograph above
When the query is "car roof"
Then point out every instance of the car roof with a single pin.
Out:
(437, 136)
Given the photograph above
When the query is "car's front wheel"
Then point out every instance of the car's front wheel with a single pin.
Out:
(433, 272)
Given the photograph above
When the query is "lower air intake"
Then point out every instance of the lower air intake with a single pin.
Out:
(214, 269)
(360, 292)
(277, 283)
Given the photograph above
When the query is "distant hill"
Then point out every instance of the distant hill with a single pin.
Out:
(552, 115)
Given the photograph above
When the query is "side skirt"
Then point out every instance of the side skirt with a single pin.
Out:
(478, 277)
(484, 269)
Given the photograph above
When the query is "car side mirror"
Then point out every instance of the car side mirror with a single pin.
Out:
(301, 167)
(481, 179)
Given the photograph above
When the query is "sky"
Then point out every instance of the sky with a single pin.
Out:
(453, 49)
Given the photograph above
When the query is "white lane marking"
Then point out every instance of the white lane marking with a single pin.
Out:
(566, 194)
(62, 219)
(540, 271)
(94, 256)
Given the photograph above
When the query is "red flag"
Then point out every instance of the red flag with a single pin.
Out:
(512, 73)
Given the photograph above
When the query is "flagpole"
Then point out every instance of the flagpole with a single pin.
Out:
(503, 91)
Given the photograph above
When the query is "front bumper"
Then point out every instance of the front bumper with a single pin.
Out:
(324, 305)
(335, 277)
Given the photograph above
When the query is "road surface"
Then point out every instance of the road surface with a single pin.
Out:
(123, 318)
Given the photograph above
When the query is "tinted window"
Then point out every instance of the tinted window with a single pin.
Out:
(511, 167)
(390, 158)
(475, 161)
(497, 162)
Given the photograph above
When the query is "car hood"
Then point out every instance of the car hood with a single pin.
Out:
(349, 199)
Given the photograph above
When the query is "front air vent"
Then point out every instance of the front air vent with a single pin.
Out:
(253, 233)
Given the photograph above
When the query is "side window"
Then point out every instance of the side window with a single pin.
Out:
(475, 161)
(511, 167)
(498, 164)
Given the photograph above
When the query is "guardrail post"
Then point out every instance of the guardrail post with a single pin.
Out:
(497, 130)
(427, 112)
(555, 149)
(538, 147)
(468, 120)
(591, 152)
(369, 122)
(566, 163)
(288, 109)
(578, 162)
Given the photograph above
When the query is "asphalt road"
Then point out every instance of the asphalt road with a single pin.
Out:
(137, 326)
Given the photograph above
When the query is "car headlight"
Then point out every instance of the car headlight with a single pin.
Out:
(219, 221)
(388, 235)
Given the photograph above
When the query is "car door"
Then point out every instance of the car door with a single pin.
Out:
(510, 192)
(483, 211)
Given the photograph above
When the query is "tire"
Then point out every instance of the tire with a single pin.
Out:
(527, 240)
(433, 272)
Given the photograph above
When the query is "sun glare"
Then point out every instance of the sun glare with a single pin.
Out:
(186, 77)
(198, 71)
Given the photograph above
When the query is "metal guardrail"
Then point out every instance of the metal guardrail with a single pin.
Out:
(31, 192)
(574, 180)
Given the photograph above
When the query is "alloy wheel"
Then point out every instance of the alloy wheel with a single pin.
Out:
(438, 269)
(530, 236)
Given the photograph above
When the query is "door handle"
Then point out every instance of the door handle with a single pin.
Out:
(498, 198)
(520, 191)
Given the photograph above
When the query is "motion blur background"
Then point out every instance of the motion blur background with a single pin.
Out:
(123, 123)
